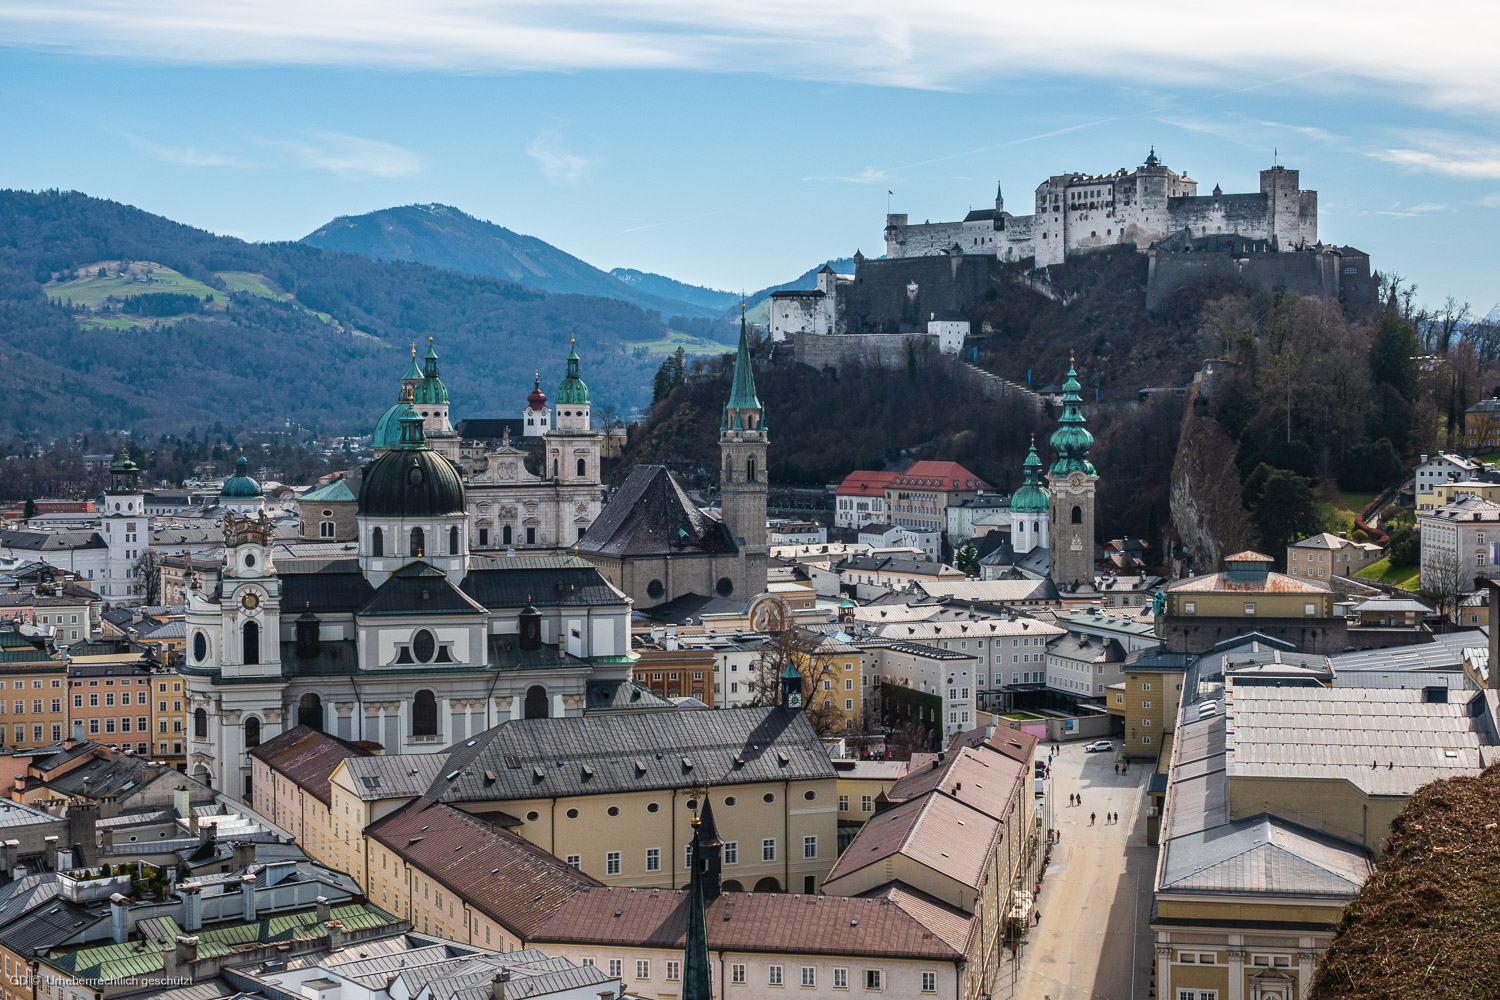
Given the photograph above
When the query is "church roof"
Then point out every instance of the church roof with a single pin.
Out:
(651, 515)
(337, 491)
(742, 396)
(419, 588)
(572, 389)
(543, 581)
(322, 586)
(240, 486)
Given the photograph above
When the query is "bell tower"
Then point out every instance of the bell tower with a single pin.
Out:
(1070, 485)
(742, 472)
(249, 599)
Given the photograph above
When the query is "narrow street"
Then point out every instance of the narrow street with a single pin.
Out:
(1093, 940)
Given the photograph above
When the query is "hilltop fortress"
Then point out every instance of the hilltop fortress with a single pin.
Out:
(1075, 212)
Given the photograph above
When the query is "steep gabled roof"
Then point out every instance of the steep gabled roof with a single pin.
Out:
(307, 757)
(651, 515)
(419, 588)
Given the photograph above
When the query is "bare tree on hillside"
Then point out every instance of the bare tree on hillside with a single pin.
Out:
(1443, 579)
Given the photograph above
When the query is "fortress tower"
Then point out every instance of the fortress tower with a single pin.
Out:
(1070, 484)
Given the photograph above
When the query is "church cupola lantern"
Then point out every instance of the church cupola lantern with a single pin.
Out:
(791, 688)
(531, 628)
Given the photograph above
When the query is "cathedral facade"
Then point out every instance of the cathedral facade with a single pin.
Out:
(414, 643)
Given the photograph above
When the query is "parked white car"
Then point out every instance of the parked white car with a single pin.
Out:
(1098, 746)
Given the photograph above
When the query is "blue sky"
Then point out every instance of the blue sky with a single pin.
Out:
(736, 144)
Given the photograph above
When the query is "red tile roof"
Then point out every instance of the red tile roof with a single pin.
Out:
(865, 484)
(935, 831)
(893, 921)
(940, 476)
(1271, 583)
(502, 875)
(980, 779)
(307, 757)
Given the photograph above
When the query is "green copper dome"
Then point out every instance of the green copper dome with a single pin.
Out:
(430, 391)
(240, 486)
(572, 388)
(1071, 441)
(123, 463)
(388, 427)
(1032, 497)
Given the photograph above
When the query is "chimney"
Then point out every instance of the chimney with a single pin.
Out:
(20, 782)
(497, 985)
(192, 906)
(119, 918)
(247, 896)
(325, 910)
(178, 963)
(8, 852)
(335, 935)
(78, 736)
(180, 801)
(244, 853)
(83, 830)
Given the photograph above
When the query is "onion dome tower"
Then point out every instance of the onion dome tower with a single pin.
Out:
(1071, 484)
(1029, 506)
(240, 493)
(536, 419)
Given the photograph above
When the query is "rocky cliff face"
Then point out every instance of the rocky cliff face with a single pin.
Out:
(1205, 497)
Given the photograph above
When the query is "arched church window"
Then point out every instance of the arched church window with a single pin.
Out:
(750, 469)
(252, 732)
(377, 542)
(505, 535)
(325, 529)
(1036, 525)
(424, 714)
(310, 712)
(536, 702)
(418, 542)
(554, 468)
(453, 541)
(200, 647)
(1077, 515)
(581, 467)
(200, 724)
(251, 640)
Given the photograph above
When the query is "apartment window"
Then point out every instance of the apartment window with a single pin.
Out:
(773, 975)
(93, 727)
(1145, 704)
(1271, 961)
(737, 974)
(809, 847)
(873, 979)
(1249, 607)
(1145, 722)
(843, 803)
(1146, 686)
(731, 852)
(614, 968)
(929, 982)
(643, 968)
(674, 971)
(848, 704)
(653, 859)
(57, 704)
(809, 976)
(841, 979)
(768, 849)
(1189, 607)
(93, 700)
(1145, 739)
(1197, 995)
(612, 863)
(575, 861)
(866, 803)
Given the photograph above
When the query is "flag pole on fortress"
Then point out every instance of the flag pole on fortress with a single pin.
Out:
(888, 194)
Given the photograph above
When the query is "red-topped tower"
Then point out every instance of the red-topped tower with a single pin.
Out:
(536, 419)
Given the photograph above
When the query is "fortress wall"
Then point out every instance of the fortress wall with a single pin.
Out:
(924, 238)
(1307, 274)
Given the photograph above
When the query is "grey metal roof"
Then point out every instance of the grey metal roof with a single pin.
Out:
(1198, 795)
(1444, 652)
(603, 754)
(1384, 741)
(1263, 854)
(651, 515)
(543, 581)
(419, 588)
(1454, 681)
(394, 776)
(14, 813)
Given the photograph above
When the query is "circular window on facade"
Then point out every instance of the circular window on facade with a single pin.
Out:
(724, 587)
(809, 795)
(249, 558)
(533, 816)
(655, 589)
(769, 797)
(572, 814)
(731, 800)
(200, 647)
(423, 646)
(328, 513)
(692, 804)
(613, 810)
(414, 475)
(652, 807)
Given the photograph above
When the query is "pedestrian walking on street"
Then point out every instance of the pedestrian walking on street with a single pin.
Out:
(1091, 819)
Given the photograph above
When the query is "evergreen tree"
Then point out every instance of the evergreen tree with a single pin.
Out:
(1285, 511)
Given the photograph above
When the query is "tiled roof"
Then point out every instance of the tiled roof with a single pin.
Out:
(542, 581)
(307, 757)
(393, 776)
(1248, 557)
(596, 755)
(980, 778)
(1269, 583)
(892, 922)
(51, 541)
(1263, 854)
(960, 588)
(986, 628)
(936, 831)
(939, 476)
(504, 876)
(650, 515)
(866, 484)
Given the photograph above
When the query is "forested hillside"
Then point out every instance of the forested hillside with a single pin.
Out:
(282, 332)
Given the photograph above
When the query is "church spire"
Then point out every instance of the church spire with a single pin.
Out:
(742, 396)
(703, 888)
(1072, 441)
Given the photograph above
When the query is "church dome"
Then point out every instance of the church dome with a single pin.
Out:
(240, 486)
(411, 482)
(1032, 497)
(538, 399)
(430, 391)
(572, 390)
(388, 427)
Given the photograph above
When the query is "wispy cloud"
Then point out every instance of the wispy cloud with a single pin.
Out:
(1412, 211)
(187, 155)
(348, 155)
(869, 175)
(1444, 153)
(1491, 200)
(940, 44)
(559, 164)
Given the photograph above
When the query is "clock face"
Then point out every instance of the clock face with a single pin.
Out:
(250, 601)
(1076, 479)
(794, 699)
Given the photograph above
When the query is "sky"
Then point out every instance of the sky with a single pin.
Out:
(735, 144)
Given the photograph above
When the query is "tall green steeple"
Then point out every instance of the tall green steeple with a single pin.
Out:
(1032, 497)
(572, 389)
(742, 396)
(1071, 441)
(430, 391)
(413, 373)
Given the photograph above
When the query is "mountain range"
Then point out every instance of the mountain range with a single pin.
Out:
(443, 236)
